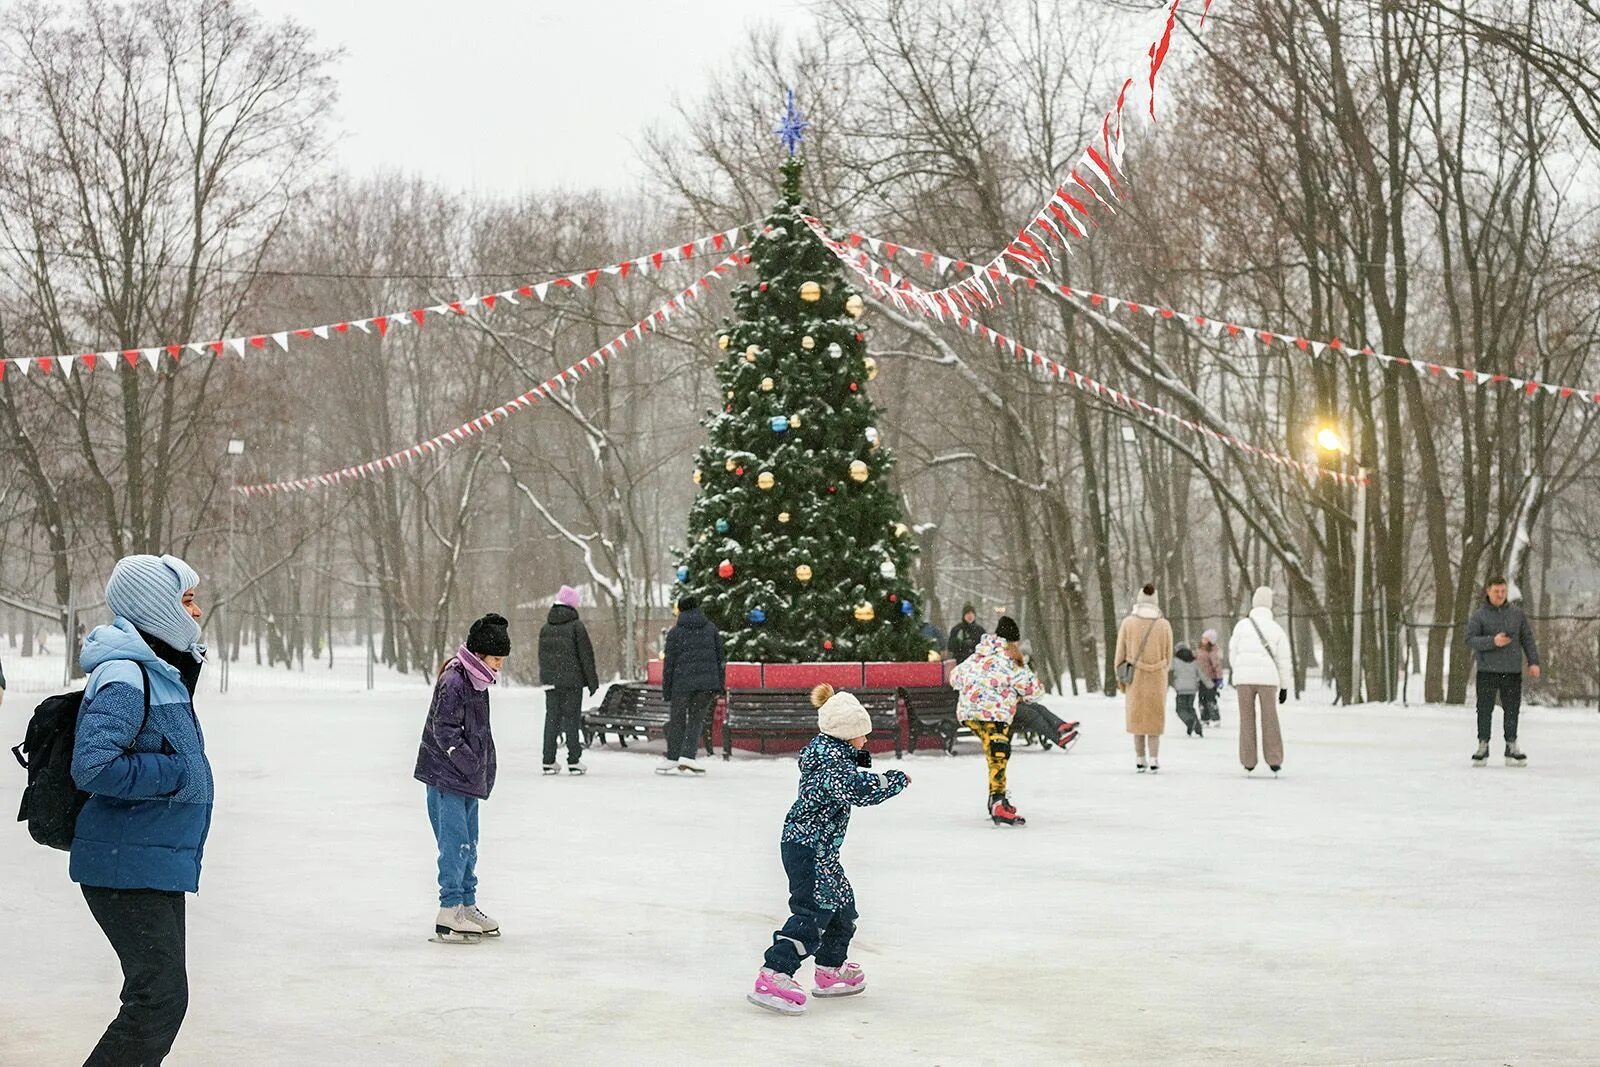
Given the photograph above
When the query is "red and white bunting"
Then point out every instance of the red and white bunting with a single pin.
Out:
(498, 414)
(1217, 327)
(382, 325)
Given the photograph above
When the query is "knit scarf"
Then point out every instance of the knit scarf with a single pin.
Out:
(479, 673)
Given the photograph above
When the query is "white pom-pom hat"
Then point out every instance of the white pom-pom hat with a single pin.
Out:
(840, 714)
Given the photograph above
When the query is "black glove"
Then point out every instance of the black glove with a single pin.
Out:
(863, 758)
(1283, 696)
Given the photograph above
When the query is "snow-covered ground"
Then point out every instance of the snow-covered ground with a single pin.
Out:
(1382, 902)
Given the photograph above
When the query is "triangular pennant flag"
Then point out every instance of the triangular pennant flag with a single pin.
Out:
(488, 301)
(45, 363)
(66, 365)
(283, 340)
(153, 355)
(540, 289)
(320, 331)
(237, 344)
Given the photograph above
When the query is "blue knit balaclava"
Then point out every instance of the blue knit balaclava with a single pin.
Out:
(148, 592)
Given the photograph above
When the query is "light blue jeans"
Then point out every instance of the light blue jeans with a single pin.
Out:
(455, 828)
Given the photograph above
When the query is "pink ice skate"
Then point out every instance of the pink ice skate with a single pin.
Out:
(777, 992)
(844, 981)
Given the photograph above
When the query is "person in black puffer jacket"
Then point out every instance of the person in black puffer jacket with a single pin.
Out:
(566, 666)
(691, 677)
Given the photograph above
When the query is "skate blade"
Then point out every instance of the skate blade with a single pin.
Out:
(777, 1007)
(1516, 763)
(839, 991)
(456, 939)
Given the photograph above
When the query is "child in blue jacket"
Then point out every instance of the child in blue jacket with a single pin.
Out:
(833, 779)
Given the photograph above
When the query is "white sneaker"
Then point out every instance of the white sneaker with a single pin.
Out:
(667, 766)
(688, 765)
(489, 927)
(454, 926)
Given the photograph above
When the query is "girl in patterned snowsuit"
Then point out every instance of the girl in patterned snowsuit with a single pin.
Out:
(822, 920)
(991, 683)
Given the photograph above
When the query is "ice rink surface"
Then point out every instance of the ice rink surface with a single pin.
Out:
(1381, 902)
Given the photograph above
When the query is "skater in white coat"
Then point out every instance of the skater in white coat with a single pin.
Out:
(1263, 674)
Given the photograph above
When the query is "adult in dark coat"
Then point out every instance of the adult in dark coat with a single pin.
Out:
(965, 635)
(566, 667)
(1499, 634)
(691, 677)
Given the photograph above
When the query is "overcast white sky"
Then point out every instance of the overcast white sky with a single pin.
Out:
(501, 96)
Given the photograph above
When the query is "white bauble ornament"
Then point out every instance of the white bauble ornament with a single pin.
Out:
(835, 352)
(872, 369)
(886, 569)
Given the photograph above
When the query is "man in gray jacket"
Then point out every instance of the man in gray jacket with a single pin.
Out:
(1499, 634)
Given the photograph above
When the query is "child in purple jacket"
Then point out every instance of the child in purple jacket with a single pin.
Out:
(456, 762)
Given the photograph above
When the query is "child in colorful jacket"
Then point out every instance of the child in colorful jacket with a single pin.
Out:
(991, 683)
(834, 777)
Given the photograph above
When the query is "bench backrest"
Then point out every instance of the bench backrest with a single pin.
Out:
(927, 702)
(791, 708)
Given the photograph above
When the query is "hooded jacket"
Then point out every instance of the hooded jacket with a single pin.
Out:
(695, 661)
(151, 790)
(457, 750)
(1508, 619)
(990, 685)
(1256, 662)
(1187, 676)
(831, 783)
(1210, 660)
(566, 656)
(964, 639)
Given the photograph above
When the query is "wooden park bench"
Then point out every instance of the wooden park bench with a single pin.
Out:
(931, 712)
(632, 710)
(764, 713)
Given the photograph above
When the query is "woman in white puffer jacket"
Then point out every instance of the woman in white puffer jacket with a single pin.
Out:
(1263, 674)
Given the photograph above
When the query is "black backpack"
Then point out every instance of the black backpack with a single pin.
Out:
(52, 800)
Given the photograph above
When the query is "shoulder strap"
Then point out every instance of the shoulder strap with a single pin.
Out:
(1148, 630)
(1265, 644)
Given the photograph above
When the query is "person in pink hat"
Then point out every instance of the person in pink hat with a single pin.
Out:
(566, 669)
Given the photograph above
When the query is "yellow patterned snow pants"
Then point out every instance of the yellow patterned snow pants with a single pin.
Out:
(996, 740)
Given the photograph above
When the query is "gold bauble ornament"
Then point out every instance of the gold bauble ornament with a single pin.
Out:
(724, 341)
(872, 369)
(858, 471)
(730, 394)
(697, 476)
(854, 306)
(803, 573)
(765, 480)
(933, 656)
(728, 466)
(752, 351)
(748, 358)
(864, 612)
(810, 292)
(794, 421)
(783, 516)
(766, 385)
(808, 342)
(901, 529)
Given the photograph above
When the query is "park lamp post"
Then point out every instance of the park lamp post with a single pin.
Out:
(235, 449)
(1332, 442)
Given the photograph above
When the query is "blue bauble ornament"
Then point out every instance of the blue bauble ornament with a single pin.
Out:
(722, 526)
(683, 574)
(757, 616)
(780, 424)
(906, 607)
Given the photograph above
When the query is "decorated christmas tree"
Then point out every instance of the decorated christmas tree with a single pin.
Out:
(797, 550)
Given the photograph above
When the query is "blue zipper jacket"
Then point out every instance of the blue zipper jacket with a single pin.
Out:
(146, 821)
(831, 783)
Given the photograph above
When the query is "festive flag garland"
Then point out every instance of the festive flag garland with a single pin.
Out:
(1250, 335)
(493, 417)
(891, 293)
(382, 324)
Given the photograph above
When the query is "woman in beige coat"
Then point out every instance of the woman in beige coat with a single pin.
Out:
(1145, 641)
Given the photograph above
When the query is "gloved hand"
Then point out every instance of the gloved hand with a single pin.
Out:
(899, 778)
(1283, 696)
(863, 758)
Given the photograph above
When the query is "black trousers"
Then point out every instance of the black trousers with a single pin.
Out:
(146, 930)
(1208, 702)
(1508, 687)
(811, 930)
(563, 712)
(687, 721)
(1186, 711)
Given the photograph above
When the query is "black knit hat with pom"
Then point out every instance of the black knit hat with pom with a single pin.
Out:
(489, 636)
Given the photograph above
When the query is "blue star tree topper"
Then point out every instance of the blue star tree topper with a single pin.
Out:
(791, 128)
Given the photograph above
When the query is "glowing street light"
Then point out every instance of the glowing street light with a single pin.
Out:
(1330, 439)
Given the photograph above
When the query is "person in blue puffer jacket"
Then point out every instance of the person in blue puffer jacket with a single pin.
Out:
(142, 833)
(834, 777)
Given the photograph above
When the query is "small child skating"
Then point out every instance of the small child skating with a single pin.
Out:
(834, 777)
(1209, 657)
(1188, 679)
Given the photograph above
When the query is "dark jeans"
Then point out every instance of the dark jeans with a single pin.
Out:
(1208, 702)
(1508, 686)
(1186, 711)
(1038, 719)
(146, 930)
(563, 712)
(687, 722)
(810, 931)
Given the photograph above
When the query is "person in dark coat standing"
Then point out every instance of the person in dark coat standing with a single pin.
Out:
(456, 762)
(965, 635)
(1499, 634)
(566, 668)
(691, 677)
(140, 837)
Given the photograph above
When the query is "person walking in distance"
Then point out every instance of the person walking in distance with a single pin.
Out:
(1143, 657)
(456, 761)
(1209, 657)
(1499, 635)
(141, 757)
(1187, 681)
(691, 677)
(965, 635)
(990, 684)
(1263, 674)
(566, 667)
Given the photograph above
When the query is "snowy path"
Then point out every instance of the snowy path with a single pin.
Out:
(1381, 903)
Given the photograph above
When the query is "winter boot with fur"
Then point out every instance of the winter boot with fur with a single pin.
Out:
(843, 981)
(779, 992)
